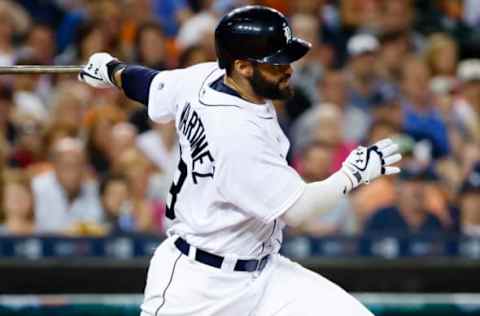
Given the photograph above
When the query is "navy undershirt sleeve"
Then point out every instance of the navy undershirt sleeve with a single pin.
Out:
(136, 82)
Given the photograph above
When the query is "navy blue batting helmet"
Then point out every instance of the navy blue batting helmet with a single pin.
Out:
(257, 33)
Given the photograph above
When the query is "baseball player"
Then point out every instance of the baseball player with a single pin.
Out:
(233, 191)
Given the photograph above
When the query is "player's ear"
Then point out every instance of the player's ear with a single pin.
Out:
(243, 67)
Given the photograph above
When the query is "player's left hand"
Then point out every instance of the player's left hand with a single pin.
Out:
(95, 72)
(366, 164)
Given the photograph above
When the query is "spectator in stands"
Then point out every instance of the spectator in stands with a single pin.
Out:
(7, 50)
(17, 204)
(123, 138)
(25, 96)
(100, 121)
(390, 112)
(355, 122)
(138, 171)
(40, 44)
(172, 14)
(90, 39)
(466, 106)
(394, 47)
(159, 145)
(313, 8)
(109, 19)
(362, 15)
(463, 130)
(365, 87)
(87, 38)
(471, 13)
(73, 16)
(316, 159)
(330, 35)
(398, 16)
(7, 130)
(13, 21)
(149, 49)
(450, 19)
(192, 55)
(225, 6)
(325, 124)
(140, 12)
(66, 200)
(441, 55)
(28, 148)
(409, 215)
(422, 120)
(470, 203)
(309, 70)
(380, 193)
(117, 204)
(198, 29)
(2, 178)
(68, 107)
(42, 11)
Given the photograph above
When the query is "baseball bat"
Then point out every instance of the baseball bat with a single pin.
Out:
(39, 69)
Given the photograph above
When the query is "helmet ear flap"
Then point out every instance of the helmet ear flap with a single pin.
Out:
(221, 51)
(225, 59)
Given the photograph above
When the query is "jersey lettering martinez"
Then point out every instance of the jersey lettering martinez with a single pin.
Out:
(232, 181)
(192, 128)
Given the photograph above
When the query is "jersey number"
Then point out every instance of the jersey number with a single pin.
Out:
(176, 187)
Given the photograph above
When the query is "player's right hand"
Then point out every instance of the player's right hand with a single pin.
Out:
(366, 164)
(95, 73)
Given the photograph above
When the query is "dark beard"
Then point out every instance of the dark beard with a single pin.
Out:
(267, 89)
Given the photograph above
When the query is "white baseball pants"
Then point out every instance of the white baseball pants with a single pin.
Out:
(179, 286)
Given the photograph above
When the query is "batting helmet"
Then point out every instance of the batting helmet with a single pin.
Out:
(257, 33)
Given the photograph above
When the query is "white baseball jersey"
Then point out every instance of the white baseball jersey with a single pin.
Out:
(233, 181)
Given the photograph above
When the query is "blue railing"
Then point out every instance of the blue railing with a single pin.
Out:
(138, 246)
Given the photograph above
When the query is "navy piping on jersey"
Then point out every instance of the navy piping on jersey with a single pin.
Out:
(168, 285)
(220, 86)
(202, 90)
(269, 237)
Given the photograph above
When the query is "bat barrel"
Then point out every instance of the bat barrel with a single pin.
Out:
(39, 69)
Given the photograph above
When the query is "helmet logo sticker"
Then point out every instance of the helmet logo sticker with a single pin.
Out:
(288, 32)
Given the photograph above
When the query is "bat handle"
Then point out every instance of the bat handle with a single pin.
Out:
(39, 69)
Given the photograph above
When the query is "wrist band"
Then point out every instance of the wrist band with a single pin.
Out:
(112, 67)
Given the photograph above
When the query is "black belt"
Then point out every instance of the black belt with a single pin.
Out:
(216, 261)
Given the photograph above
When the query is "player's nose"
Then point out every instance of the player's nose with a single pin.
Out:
(289, 70)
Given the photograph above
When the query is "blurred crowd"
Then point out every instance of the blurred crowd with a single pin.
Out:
(81, 161)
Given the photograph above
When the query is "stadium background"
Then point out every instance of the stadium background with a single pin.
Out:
(79, 245)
